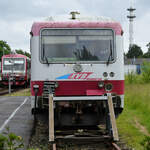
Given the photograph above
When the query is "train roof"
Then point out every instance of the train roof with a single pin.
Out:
(79, 22)
(15, 55)
(80, 18)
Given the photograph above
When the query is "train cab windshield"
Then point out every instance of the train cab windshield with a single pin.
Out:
(72, 45)
(15, 64)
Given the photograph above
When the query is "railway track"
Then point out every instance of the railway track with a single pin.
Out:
(72, 138)
(94, 146)
(91, 140)
(5, 90)
(75, 137)
(115, 146)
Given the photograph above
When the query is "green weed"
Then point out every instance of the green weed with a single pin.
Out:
(146, 143)
(10, 141)
(25, 92)
(144, 77)
(137, 108)
(146, 72)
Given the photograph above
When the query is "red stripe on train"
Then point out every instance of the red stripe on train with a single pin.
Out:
(81, 88)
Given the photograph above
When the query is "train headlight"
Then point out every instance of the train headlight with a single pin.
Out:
(112, 74)
(105, 74)
(108, 87)
(35, 86)
(56, 85)
(100, 84)
(36, 89)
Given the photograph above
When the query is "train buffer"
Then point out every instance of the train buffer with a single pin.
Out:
(111, 120)
(113, 126)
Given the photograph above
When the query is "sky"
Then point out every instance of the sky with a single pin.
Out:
(17, 17)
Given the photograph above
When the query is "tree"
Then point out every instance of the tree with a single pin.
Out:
(4, 48)
(148, 46)
(135, 51)
(27, 54)
(20, 51)
(147, 54)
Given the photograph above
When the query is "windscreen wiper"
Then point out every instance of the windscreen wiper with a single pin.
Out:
(110, 55)
(46, 61)
(44, 57)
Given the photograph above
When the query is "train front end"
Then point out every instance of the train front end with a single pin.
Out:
(80, 62)
(14, 67)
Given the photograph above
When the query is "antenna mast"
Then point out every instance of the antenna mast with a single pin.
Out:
(131, 18)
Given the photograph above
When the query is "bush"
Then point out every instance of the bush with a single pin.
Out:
(10, 141)
(131, 78)
(146, 72)
(2, 142)
(146, 143)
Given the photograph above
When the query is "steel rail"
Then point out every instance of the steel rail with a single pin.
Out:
(5, 91)
(115, 146)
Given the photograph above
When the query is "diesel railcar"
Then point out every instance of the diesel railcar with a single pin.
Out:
(79, 60)
(17, 67)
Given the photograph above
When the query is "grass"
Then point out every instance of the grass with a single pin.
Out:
(25, 92)
(134, 123)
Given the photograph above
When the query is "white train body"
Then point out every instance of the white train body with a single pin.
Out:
(81, 59)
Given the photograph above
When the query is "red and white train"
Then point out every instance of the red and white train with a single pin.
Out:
(17, 67)
(80, 60)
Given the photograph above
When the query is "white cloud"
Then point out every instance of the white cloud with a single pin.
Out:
(16, 33)
(126, 35)
(142, 31)
(16, 17)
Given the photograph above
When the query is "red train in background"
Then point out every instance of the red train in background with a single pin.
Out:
(17, 67)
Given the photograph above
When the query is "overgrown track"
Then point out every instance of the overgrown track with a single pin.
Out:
(89, 140)
(5, 90)
(115, 146)
(100, 143)
(71, 139)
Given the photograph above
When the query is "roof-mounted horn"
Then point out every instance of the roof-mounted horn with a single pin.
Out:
(74, 13)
